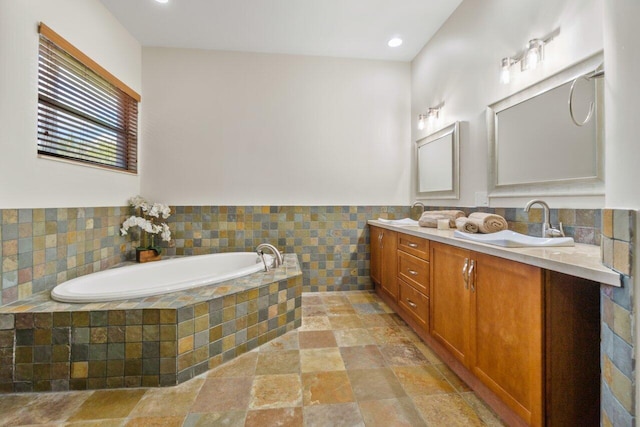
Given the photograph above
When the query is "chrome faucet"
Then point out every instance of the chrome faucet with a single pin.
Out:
(274, 250)
(547, 229)
(417, 204)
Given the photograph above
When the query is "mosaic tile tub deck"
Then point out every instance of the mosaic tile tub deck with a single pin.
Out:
(155, 341)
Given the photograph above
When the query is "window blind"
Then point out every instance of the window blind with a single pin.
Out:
(83, 116)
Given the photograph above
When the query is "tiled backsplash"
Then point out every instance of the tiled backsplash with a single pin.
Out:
(581, 224)
(43, 247)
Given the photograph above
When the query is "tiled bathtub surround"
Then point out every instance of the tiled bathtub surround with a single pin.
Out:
(330, 241)
(43, 247)
(155, 341)
(617, 348)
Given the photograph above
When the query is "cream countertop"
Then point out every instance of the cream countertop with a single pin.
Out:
(580, 261)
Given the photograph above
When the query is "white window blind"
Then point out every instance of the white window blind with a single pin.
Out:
(84, 113)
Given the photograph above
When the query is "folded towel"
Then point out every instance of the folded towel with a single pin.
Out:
(452, 213)
(466, 225)
(488, 223)
(430, 218)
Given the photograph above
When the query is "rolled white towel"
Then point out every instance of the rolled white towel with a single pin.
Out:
(488, 223)
(466, 225)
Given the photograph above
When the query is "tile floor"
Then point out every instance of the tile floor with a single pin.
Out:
(352, 363)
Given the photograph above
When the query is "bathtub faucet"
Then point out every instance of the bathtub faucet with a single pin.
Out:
(273, 249)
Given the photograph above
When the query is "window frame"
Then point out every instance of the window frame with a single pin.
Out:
(124, 111)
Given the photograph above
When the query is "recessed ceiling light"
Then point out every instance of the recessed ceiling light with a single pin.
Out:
(394, 42)
(162, 1)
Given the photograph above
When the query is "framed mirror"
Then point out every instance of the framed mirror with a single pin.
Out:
(437, 169)
(535, 148)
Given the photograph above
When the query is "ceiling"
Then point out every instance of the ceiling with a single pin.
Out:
(339, 28)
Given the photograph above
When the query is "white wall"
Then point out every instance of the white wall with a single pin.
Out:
(622, 98)
(27, 181)
(460, 67)
(228, 128)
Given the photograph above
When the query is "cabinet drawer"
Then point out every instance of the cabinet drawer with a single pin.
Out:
(415, 246)
(415, 303)
(414, 271)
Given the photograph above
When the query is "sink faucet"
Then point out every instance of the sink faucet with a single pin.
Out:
(547, 229)
(275, 252)
(417, 204)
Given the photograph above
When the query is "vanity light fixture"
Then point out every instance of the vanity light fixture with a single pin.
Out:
(432, 113)
(529, 59)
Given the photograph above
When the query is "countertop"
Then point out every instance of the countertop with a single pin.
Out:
(580, 261)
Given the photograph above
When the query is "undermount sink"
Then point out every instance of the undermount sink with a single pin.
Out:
(403, 221)
(511, 239)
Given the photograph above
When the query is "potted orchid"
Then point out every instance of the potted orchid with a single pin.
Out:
(147, 220)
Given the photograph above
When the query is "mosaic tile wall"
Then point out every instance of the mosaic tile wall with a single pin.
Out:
(618, 344)
(330, 241)
(43, 247)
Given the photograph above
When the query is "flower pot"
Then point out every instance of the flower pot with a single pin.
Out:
(147, 255)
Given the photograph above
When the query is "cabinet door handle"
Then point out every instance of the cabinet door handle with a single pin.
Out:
(412, 272)
(411, 303)
(380, 236)
(471, 267)
(464, 273)
(413, 245)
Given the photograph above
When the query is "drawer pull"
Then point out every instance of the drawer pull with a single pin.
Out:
(470, 275)
(464, 273)
(412, 272)
(411, 303)
(413, 245)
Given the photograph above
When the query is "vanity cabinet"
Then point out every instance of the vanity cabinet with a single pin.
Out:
(524, 338)
(383, 263)
(413, 279)
(487, 312)
(450, 299)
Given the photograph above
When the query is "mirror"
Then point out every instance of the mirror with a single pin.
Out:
(535, 147)
(437, 156)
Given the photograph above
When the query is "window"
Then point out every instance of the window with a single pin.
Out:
(85, 114)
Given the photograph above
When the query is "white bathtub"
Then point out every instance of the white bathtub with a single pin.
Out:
(161, 277)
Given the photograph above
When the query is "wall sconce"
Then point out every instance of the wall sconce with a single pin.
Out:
(431, 114)
(529, 59)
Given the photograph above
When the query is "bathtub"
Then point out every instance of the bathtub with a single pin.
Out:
(161, 277)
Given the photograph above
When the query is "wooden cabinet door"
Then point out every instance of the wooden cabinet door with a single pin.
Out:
(507, 333)
(449, 299)
(389, 263)
(375, 243)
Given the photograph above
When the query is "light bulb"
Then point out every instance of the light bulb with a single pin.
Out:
(505, 73)
(421, 122)
(394, 42)
(534, 54)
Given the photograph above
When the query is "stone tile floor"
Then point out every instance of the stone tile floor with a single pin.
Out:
(352, 363)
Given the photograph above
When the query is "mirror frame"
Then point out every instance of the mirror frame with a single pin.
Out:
(454, 191)
(581, 186)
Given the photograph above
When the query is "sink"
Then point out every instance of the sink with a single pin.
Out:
(511, 239)
(403, 221)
